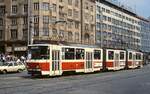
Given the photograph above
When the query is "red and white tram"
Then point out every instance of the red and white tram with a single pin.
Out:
(53, 60)
(115, 59)
(135, 59)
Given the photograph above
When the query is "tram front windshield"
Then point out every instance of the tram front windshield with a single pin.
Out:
(38, 52)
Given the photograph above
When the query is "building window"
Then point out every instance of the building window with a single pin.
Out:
(2, 10)
(14, 22)
(14, 34)
(86, 5)
(87, 27)
(53, 19)
(54, 8)
(36, 19)
(77, 37)
(76, 14)
(14, 9)
(25, 34)
(36, 31)
(45, 6)
(1, 22)
(36, 6)
(25, 8)
(61, 33)
(60, 0)
(25, 20)
(92, 28)
(70, 36)
(70, 2)
(69, 12)
(77, 25)
(1, 1)
(70, 24)
(92, 8)
(1, 34)
(76, 3)
(45, 19)
(45, 31)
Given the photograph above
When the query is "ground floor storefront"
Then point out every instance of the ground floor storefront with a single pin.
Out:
(17, 48)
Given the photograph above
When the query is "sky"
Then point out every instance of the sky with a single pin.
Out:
(142, 6)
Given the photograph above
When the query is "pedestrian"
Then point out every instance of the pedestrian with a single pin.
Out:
(18, 60)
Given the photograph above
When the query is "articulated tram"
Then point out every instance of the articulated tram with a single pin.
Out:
(53, 60)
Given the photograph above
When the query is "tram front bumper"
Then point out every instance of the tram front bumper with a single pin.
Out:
(34, 71)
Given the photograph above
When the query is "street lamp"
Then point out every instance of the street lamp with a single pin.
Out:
(30, 40)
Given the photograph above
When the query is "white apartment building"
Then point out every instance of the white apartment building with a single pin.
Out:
(116, 26)
(145, 35)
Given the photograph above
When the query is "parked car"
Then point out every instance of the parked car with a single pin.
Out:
(12, 67)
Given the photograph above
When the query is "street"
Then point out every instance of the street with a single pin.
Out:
(120, 82)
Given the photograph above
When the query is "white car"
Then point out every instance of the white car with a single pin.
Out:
(12, 67)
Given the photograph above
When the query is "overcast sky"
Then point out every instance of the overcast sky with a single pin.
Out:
(142, 6)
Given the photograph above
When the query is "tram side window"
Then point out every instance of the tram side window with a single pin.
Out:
(130, 55)
(79, 53)
(121, 55)
(97, 54)
(138, 57)
(69, 53)
(39, 52)
(110, 55)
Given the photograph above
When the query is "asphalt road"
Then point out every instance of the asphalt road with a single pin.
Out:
(120, 82)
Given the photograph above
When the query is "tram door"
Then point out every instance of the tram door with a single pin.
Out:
(116, 60)
(89, 60)
(56, 67)
(134, 60)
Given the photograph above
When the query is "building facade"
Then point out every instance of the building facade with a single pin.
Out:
(145, 35)
(116, 26)
(88, 19)
(13, 26)
(52, 21)
(70, 21)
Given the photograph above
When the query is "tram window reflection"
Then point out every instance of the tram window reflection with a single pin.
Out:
(122, 55)
(110, 55)
(69, 53)
(130, 55)
(79, 53)
(97, 54)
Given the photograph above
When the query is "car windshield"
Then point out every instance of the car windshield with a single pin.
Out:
(1, 63)
(38, 52)
(5, 64)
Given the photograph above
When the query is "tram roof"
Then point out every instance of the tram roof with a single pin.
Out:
(74, 45)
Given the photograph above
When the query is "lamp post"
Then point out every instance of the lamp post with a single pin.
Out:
(29, 10)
